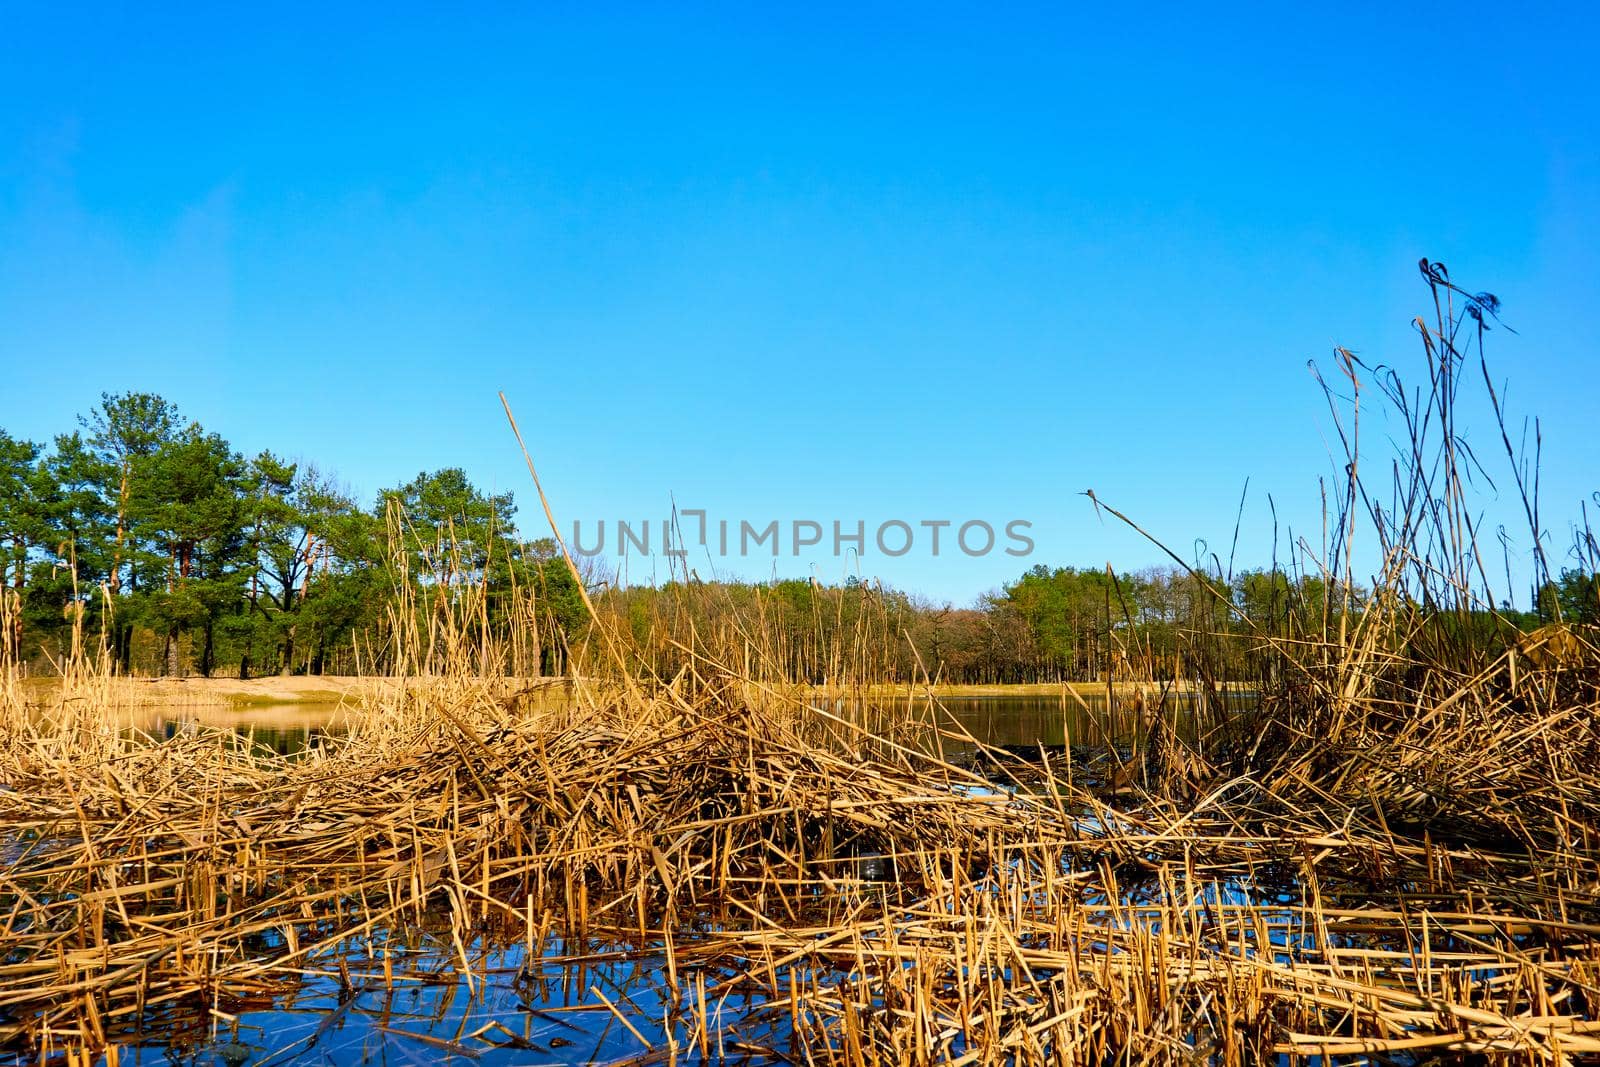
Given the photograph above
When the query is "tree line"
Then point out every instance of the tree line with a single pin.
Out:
(153, 536)
(145, 537)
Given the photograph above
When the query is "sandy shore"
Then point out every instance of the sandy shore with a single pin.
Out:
(271, 690)
(328, 689)
(276, 689)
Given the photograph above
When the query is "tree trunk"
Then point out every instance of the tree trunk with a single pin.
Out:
(169, 655)
(122, 530)
(122, 645)
(207, 650)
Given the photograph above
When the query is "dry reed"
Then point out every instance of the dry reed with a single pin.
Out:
(1391, 857)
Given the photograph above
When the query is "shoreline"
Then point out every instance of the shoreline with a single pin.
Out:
(328, 689)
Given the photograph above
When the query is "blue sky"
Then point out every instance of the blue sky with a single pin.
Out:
(917, 262)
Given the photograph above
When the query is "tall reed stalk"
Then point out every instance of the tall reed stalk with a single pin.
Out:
(1393, 854)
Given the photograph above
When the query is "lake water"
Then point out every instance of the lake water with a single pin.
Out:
(1087, 721)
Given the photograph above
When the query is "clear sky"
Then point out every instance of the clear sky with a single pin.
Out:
(918, 262)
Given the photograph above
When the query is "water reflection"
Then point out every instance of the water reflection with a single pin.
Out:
(1088, 720)
(404, 999)
(1007, 721)
(284, 729)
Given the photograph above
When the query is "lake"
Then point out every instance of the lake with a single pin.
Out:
(1001, 720)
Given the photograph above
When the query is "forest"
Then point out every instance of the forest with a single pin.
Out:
(147, 536)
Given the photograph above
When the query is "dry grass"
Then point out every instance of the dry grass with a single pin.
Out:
(1393, 857)
(1303, 911)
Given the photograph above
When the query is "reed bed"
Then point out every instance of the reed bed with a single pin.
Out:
(888, 906)
(1389, 856)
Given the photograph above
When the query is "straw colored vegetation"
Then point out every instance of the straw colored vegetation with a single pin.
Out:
(1392, 856)
(1429, 882)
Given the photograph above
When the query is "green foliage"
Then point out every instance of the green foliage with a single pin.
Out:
(157, 535)
(451, 527)
(1574, 598)
(556, 591)
(26, 499)
(185, 555)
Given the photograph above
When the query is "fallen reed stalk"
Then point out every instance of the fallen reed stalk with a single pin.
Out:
(1391, 855)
